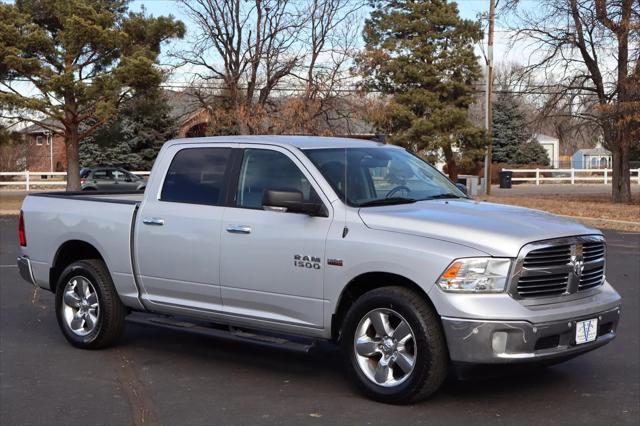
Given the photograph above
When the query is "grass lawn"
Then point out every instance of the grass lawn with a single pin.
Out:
(595, 207)
(10, 202)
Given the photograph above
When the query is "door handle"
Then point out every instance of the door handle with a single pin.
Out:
(153, 221)
(239, 229)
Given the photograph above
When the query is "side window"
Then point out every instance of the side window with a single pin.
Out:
(265, 169)
(102, 175)
(197, 176)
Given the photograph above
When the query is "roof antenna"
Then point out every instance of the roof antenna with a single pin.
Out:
(345, 230)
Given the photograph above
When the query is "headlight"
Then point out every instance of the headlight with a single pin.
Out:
(476, 274)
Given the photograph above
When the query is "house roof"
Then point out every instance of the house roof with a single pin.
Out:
(594, 151)
(37, 128)
(544, 138)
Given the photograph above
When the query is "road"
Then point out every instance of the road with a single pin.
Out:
(165, 377)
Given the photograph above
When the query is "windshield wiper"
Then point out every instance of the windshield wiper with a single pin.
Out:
(387, 201)
(445, 195)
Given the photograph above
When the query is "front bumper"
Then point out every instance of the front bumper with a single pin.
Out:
(26, 272)
(504, 342)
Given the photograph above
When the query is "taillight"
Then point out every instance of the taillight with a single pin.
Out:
(22, 236)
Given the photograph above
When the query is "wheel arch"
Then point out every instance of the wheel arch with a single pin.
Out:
(366, 282)
(69, 252)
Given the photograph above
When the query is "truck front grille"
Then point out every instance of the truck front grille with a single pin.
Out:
(591, 278)
(548, 256)
(543, 285)
(559, 267)
(593, 251)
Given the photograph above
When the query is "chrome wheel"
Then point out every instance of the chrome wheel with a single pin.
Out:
(81, 310)
(385, 347)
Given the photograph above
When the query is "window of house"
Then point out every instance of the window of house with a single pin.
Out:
(39, 140)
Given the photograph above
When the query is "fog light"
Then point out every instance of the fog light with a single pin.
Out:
(499, 342)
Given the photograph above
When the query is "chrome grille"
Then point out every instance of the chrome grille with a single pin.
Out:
(559, 267)
(591, 278)
(543, 285)
(548, 256)
(593, 251)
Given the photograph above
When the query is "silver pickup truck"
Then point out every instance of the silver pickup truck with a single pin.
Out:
(279, 239)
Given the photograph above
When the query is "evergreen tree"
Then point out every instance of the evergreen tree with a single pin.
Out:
(422, 54)
(531, 152)
(80, 57)
(510, 131)
(134, 137)
(512, 141)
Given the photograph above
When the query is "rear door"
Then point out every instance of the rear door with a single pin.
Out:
(177, 238)
(104, 180)
(126, 181)
(272, 262)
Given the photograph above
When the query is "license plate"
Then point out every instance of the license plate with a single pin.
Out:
(586, 331)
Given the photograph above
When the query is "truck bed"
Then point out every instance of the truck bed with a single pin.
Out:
(102, 219)
(101, 196)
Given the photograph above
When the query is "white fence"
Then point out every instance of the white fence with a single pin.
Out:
(568, 175)
(30, 179)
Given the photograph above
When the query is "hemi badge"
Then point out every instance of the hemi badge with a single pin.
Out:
(334, 262)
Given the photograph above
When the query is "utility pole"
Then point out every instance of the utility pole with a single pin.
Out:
(489, 89)
(50, 141)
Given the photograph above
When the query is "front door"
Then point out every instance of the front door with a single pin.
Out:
(178, 230)
(272, 262)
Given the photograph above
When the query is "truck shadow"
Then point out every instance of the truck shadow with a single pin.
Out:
(323, 368)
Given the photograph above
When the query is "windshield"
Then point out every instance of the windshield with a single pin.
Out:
(379, 176)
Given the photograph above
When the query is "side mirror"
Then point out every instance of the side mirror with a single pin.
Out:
(462, 187)
(284, 200)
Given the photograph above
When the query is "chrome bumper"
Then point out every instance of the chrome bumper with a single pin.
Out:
(505, 342)
(24, 266)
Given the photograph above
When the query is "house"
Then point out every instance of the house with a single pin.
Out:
(552, 146)
(593, 158)
(45, 149)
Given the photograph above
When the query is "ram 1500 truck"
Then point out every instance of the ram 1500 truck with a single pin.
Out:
(356, 242)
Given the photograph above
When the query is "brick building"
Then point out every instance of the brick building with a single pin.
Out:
(45, 150)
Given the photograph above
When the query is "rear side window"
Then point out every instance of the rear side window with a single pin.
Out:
(102, 175)
(197, 176)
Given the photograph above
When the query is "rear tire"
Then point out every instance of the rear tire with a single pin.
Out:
(88, 309)
(394, 346)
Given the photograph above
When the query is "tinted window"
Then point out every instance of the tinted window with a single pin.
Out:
(102, 175)
(197, 176)
(265, 169)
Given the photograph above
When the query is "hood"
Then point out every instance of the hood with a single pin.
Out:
(496, 229)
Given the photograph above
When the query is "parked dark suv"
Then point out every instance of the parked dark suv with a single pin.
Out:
(110, 179)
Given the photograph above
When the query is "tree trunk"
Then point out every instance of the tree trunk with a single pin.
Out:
(621, 179)
(452, 167)
(72, 144)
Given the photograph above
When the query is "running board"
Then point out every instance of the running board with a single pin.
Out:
(301, 345)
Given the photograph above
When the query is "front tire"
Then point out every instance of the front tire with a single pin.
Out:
(394, 346)
(88, 309)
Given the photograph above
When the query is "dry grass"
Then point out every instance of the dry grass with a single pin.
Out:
(595, 209)
(10, 203)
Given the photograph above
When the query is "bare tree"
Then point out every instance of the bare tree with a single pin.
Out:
(244, 47)
(590, 47)
(330, 40)
(551, 109)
